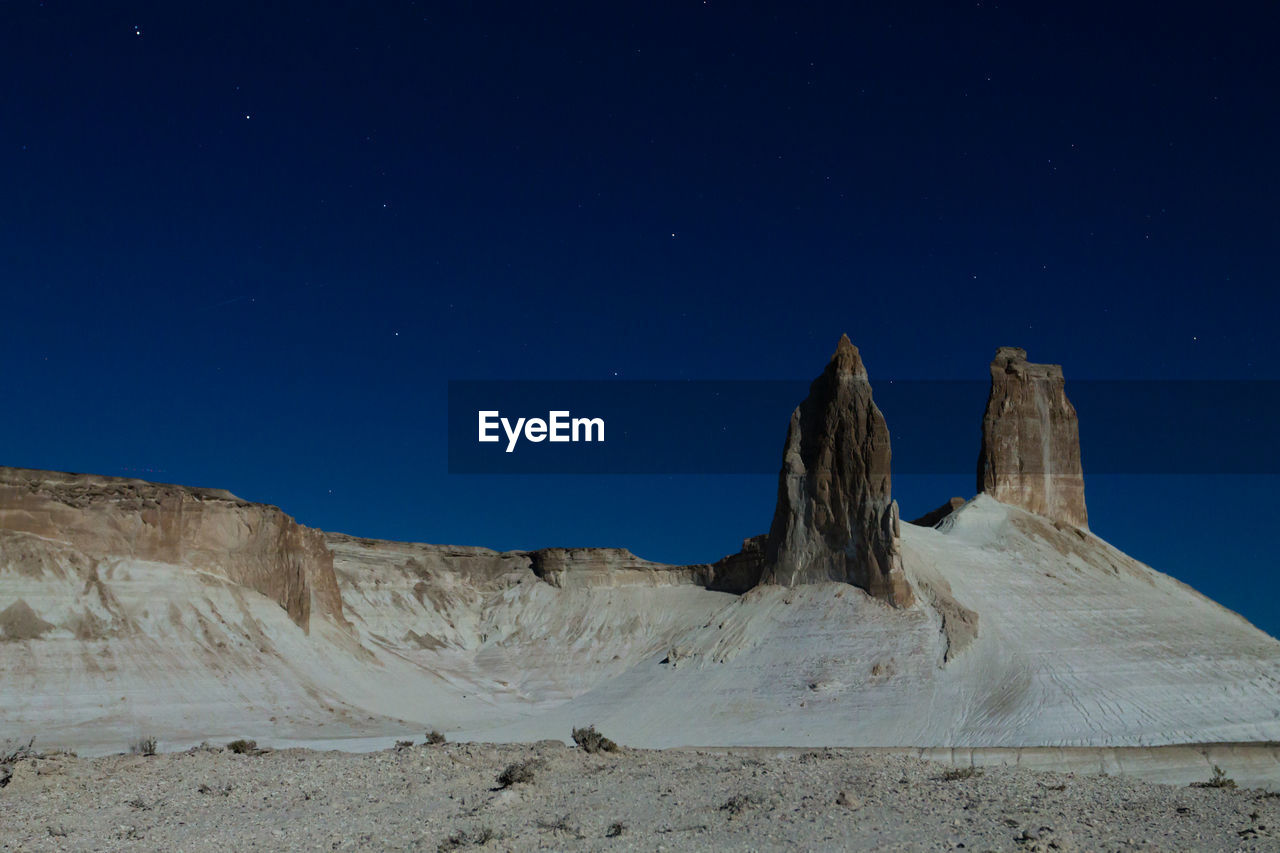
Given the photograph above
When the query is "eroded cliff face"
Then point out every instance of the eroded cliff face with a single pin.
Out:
(93, 519)
(590, 567)
(1030, 454)
(835, 519)
(741, 571)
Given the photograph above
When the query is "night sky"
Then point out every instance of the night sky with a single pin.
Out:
(247, 245)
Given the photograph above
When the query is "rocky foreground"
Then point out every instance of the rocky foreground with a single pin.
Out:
(450, 797)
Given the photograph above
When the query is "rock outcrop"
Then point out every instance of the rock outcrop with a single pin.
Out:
(1030, 455)
(835, 519)
(933, 516)
(739, 572)
(96, 518)
(604, 567)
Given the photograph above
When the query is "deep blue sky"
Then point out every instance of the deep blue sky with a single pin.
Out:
(246, 245)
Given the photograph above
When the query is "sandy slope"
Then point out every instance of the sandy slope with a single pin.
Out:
(1076, 644)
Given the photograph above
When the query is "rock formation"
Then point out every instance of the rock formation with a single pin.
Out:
(1030, 455)
(933, 516)
(739, 572)
(602, 567)
(835, 519)
(96, 518)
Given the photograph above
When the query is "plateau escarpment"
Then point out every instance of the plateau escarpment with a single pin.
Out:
(52, 521)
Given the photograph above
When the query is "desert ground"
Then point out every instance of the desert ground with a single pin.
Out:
(450, 797)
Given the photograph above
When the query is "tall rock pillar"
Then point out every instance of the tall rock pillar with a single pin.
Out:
(1030, 455)
(835, 519)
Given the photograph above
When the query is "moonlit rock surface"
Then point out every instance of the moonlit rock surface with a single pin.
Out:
(1022, 633)
(835, 518)
(94, 522)
(1030, 454)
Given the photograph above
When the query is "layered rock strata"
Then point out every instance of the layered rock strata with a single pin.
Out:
(1030, 453)
(96, 518)
(835, 519)
(739, 572)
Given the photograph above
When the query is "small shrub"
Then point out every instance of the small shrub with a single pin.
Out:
(517, 773)
(243, 746)
(955, 774)
(1220, 780)
(561, 825)
(615, 829)
(463, 838)
(739, 803)
(434, 738)
(403, 744)
(12, 754)
(146, 746)
(225, 790)
(590, 740)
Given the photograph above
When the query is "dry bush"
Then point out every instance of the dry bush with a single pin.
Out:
(739, 803)
(204, 746)
(561, 825)
(1220, 780)
(955, 774)
(464, 838)
(146, 746)
(590, 740)
(11, 755)
(517, 772)
(243, 746)
(224, 791)
(434, 738)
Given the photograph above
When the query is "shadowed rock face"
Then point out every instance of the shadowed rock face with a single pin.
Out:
(933, 516)
(835, 519)
(1030, 455)
(740, 572)
(208, 530)
(605, 567)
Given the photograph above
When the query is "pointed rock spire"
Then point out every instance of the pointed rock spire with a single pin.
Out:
(1030, 454)
(835, 519)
